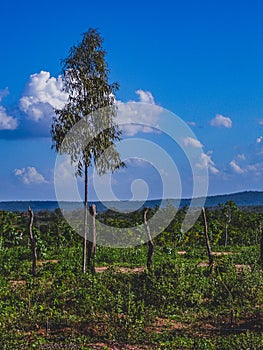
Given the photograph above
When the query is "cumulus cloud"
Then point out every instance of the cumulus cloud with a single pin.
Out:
(259, 139)
(65, 169)
(136, 161)
(65, 179)
(241, 156)
(3, 93)
(146, 111)
(249, 164)
(236, 168)
(192, 142)
(221, 121)
(7, 122)
(30, 175)
(145, 96)
(41, 94)
(207, 162)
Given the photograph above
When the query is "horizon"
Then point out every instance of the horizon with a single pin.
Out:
(127, 200)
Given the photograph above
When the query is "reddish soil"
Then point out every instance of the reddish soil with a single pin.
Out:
(222, 326)
(165, 325)
(43, 262)
(16, 284)
(102, 346)
(221, 253)
(121, 269)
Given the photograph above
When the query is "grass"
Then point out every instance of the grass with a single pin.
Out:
(181, 303)
(177, 305)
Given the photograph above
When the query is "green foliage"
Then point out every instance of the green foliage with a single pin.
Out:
(84, 128)
(180, 303)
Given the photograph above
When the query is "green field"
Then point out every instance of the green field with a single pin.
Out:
(180, 303)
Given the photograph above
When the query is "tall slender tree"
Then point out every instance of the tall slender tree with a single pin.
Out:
(91, 103)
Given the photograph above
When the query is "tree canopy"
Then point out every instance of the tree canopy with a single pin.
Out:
(91, 103)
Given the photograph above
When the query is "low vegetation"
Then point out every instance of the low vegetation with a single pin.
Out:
(180, 303)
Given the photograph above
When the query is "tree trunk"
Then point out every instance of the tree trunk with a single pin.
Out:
(84, 259)
(150, 242)
(92, 238)
(208, 247)
(32, 241)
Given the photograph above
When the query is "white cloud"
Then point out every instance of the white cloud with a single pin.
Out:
(191, 123)
(30, 175)
(207, 162)
(146, 111)
(241, 156)
(236, 168)
(41, 94)
(3, 93)
(164, 172)
(251, 164)
(137, 162)
(65, 179)
(6, 121)
(190, 141)
(145, 96)
(255, 169)
(259, 139)
(221, 121)
(65, 169)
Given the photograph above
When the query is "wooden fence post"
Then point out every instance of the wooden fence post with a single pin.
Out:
(208, 247)
(32, 241)
(150, 242)
(92, 238)
(261, 248)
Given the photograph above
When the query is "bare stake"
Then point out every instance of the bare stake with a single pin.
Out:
(32, 241)
(150, 242)
(261, 248)
(92, 238)
(208, 247)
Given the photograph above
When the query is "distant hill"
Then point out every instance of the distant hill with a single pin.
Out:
(242, 199)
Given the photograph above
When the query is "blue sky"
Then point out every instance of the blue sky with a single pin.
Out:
(200, 60)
